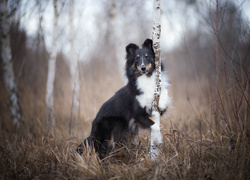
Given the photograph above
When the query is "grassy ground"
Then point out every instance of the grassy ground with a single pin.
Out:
(205, 133)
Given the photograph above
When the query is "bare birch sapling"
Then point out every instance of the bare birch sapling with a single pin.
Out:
(7, 65)
(156, 138)
(51, 71)
(118, 38)
(74, 70)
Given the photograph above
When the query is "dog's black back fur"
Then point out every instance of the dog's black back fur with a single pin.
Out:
(114, 116)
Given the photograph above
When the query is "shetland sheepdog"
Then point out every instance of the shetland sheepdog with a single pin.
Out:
(131, 106)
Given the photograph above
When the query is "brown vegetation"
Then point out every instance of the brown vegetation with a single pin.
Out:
(193, 147)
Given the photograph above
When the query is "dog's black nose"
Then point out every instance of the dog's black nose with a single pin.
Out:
(143, 68)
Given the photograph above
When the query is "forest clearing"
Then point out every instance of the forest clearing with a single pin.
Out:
(206, 130)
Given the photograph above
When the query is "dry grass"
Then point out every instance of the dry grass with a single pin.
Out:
(205, 134)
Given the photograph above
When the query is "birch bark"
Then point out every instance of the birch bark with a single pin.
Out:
(51, 71)
(7, 65)
(156, 138)
(74, 70)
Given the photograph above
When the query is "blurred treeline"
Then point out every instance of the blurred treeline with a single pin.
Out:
(190, 60)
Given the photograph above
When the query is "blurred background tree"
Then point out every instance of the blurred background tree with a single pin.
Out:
(9, 79)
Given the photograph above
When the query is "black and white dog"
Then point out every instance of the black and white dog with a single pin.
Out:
(131, 106)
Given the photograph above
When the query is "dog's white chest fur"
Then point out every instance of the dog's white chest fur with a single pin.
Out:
(147, 86)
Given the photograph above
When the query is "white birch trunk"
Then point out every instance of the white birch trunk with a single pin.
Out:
(40, 34)
(116, 23)
(74, 69)
(156, 138)
(7, 65)
(51, 71)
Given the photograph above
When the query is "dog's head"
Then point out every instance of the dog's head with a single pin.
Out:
(141, 59)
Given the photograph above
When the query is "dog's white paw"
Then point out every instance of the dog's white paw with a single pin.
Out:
(156, 134)
(164, 100)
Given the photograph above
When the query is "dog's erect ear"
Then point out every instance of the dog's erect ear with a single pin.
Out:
(131, 48)
(148, 43)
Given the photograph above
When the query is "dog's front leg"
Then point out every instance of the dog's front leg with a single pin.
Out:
(156, 138)
(156, 134)
(164, 100)
(145, 121)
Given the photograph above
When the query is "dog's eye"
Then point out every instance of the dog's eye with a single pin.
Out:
(137, 57)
